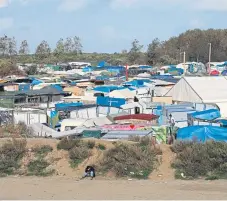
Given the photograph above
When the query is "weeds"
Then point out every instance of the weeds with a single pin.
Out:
(78, 150)
(101, 147)
(91, 144)
(77, 155)
(11, 154)
(208, 160)
(42, 150)
(38, 167)
(129, 160)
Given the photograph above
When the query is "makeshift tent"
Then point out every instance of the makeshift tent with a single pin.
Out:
(92, 134)
(224, 73)
(202, 133)
(110, 102)
(214, 73)
(67, 106)
(106, 89)
(75, 90)
(124, 93)
(209, 90)
(206, 115)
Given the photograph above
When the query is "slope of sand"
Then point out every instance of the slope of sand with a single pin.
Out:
(65, 184)
(66, 189)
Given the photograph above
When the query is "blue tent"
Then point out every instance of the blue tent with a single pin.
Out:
(36, 82)
(101, 64)
(135, 83)
(206, 115)
(224, 73)
(202, 133)
(106, 89)
(110, 102)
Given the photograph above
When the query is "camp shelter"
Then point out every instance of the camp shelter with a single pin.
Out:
(74, 90)
(124, 93)
(206, 90)
(202, 133)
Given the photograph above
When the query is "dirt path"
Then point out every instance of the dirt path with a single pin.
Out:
(63, 188)
(164, 171)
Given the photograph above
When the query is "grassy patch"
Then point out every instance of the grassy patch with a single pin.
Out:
(38, 167)
(101, 147)
(127, 160)
(91, 144)
(11, 154)
(42, 150)
(78, 150)
(207, 160)
(77, 155)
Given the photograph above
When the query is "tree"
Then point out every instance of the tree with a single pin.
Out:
(135, 52)
(77, 45)
(9, 68)
(4, 45)
(31, 70)
(43, 50)
(153, 53)
(24, 48)
(12, 46)
(60, 49)
(68, 46)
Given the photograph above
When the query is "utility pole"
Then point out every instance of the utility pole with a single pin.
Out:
(184, 62)
(210, 45)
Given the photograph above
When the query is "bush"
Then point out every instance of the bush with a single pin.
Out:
(67, 144)
(38, 167)
(91, 144)
(42, 150)
(129, 160)
(134, 138)
(11, 154)
(201, 160)
(77, 155)
(101, 147)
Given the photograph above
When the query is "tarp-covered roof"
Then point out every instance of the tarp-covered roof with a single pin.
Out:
(124, 93)
(206, 115)
(202, 133)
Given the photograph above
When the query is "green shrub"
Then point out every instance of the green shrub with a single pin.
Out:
(38, 167)
(129, 160)
(91, 144)
(42, 150)
(67, 144)
(11, 154)
(77, 155)
(101, 147)
(201, 159)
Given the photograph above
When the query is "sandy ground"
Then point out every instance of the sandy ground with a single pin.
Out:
(63, 188)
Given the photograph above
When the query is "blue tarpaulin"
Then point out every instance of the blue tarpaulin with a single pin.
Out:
(24, 87)
(67, 106)
(135, 83)
(206, 115)
(110, 102)
(36, 82)
(106, 89)
(202, 133)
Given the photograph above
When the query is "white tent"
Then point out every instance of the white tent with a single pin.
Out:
(206, 90)
(124, 93)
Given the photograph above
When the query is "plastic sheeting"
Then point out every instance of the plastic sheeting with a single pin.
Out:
(110, 102)
(202, 133)
(67, 106)
(206, 115)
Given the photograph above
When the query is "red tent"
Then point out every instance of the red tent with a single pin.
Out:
(214, 73)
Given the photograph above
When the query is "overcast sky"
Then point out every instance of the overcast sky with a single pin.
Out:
(107, 25)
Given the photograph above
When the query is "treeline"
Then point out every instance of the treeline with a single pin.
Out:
(194, 42)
